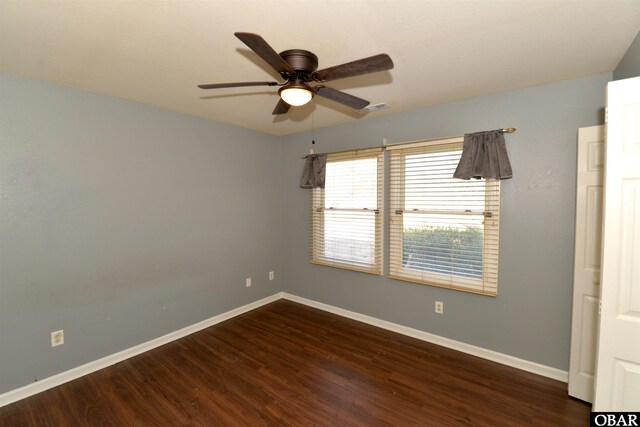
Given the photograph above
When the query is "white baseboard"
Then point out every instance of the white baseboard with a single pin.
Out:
(72, 374)
(494, 356)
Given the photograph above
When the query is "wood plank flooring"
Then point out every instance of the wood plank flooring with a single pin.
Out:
(288, 364)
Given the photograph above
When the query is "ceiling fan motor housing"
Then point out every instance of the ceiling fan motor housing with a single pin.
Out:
(302, 61)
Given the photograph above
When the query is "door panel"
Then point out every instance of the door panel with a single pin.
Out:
(586, 277)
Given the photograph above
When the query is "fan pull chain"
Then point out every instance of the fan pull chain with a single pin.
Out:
(313, 127)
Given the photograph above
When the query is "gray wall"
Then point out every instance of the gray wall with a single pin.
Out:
(122, 222)
(531, 316)
(629, 65)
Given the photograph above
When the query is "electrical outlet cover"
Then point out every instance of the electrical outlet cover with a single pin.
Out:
(57, 338)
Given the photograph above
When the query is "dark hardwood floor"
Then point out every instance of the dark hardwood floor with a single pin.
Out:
(288, 364)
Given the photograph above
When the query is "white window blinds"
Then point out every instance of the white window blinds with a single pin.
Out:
(443, 231)
(346, 215)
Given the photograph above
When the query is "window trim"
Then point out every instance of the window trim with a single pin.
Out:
(488, 283)
(317, 222)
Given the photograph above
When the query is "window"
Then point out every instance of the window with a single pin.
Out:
(346, 216)
(443, 231)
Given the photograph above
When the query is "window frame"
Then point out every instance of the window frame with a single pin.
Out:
(318, 210)
(488, 283)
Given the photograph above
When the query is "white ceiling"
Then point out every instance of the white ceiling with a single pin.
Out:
(156, 51)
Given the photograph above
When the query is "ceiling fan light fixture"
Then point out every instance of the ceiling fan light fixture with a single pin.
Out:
(296, 93)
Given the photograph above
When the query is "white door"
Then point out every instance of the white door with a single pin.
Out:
(618, 366)
(586, 266)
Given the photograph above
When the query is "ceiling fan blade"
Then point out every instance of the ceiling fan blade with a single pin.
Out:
(368, 65)
(266, 52)
(341, 97)
(281, 108)
(241, 84)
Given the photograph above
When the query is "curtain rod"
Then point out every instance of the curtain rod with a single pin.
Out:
(503, 130)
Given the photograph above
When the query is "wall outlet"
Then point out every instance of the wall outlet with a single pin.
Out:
(57, 338)
(439, 307)
(247, 282)
(271, 275)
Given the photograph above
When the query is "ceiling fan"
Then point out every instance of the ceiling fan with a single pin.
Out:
(298, 68)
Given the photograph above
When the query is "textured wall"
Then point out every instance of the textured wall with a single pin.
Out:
(531, 316)
(121, 223)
